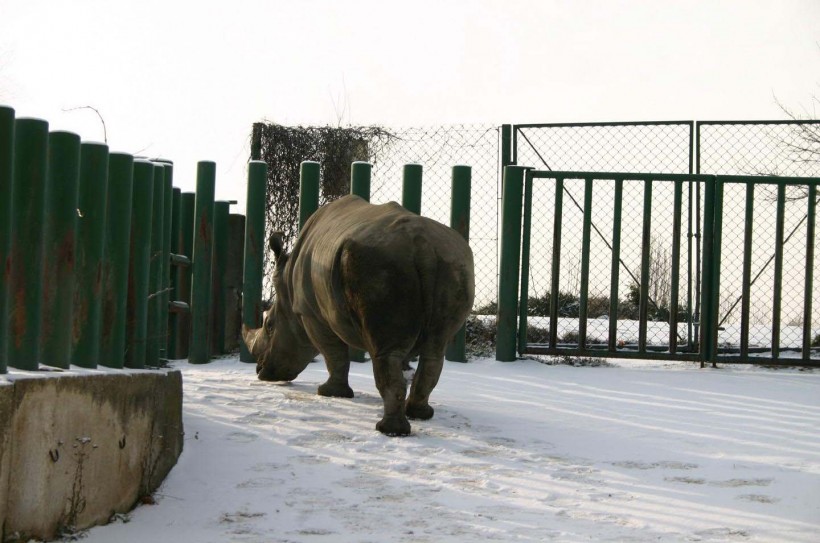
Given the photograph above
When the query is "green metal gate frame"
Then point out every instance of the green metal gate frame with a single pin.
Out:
(701, 344)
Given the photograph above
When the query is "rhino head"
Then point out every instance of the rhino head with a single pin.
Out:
(281, 348)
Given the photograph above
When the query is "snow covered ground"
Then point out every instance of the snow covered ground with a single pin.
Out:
(516, 452)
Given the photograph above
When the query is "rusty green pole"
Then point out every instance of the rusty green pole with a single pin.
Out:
(6, 183)
(199, 349)
(254, 251)
(186, 232)
(139, 266)
(513, 184)
(308, 191)
(360, 186)
(176, 244)
(460, 222)
(219, 265)
(60, 247)
(411, 187)
(155, 312)
(25, 296)
(90, 253)
(118, 234)
(165, 259)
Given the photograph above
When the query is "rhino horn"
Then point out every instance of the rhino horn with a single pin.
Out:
(250, 336)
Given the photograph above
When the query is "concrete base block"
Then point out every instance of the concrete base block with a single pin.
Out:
(77, 448)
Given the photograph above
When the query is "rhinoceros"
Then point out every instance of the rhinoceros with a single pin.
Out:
(374, 277)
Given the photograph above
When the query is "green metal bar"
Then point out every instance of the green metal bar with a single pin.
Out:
(360, 185)
(115, 278)
(777, 287)
(60, 246)
(6, 185)
(555, 286)
(411, 187)
(646, 242)
(506, 145)
(809, 283)
(93, 195)
(526, 232)
(186, 232)
(199, 350)
(616, 264)
(25, 296)
(745, 307)
(176, 272)
(583, 310)
(155, 312)
(360, 173)
(460, 222)
(220, 264)
(308, 191)
(165, 259)
(139, 267)
(677, 206)
(254, 251)
(510, 253)
(714, 273)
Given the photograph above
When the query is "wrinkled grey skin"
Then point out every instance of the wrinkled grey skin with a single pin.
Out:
(377, 278)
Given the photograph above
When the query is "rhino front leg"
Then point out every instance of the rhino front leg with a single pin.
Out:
(392, 387)
(337, 361)
(425, 380)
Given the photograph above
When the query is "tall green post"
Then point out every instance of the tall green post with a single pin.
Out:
(176, 248)
(254, 251)
(165, 259)
(199, 349)
(155, 313)
(117, 253)
(186, 233)
(411, 187)
(90, 252)
(308, 191)
(139, 266)
(513, 185)
(60, 247)
(460, 222)
(360, 186)
(219, 265)
(6, 183)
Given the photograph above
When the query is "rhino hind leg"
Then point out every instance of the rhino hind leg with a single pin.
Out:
(392, 387)
(425, 380)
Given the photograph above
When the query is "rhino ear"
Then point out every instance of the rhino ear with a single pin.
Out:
(277, 243)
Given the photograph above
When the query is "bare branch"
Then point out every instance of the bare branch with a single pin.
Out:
(105, 131)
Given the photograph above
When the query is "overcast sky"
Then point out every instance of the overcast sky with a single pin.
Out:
(186, 80)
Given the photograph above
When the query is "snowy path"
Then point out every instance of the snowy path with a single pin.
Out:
(516, 452)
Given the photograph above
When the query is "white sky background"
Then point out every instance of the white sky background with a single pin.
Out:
(186, 80)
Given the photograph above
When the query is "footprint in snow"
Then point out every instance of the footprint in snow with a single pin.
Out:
(757, 498)
(242, 437)
(735, 483)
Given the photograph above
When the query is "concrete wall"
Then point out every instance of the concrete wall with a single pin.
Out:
(76, 448)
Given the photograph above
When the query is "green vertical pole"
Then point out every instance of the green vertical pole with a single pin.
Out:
(254, 251)
(510, 253)
(526, 231)
(583, 310)
(6, 184)
(155, 313)
(411, 187)
(675, 278)
(139, 265)
(176, 272)
(646, 242)
(165, 259)
(460, 222)
(615, 266)
(93, 194)
(186, 232)
(360, 179)
(60, 226)
(199, 349)
(707, 329)
(25, 296)
(777, 286)
(308, 191)
(555, 278)
(360, 186)
(118, 234)
(746, 281)
(506, 146)
(809, 283)
(218, 267)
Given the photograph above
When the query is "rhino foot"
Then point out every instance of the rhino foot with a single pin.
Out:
(335, 390)
(394, 426)
(419, 412)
